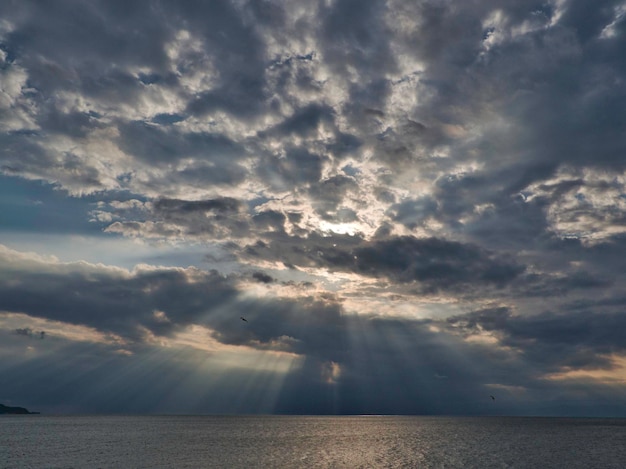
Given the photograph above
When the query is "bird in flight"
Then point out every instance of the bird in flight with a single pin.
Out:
(243, 319)
(492, 398)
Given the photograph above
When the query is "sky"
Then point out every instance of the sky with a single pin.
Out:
(414, 204)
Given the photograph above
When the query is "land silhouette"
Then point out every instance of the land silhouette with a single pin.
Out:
(14, 410)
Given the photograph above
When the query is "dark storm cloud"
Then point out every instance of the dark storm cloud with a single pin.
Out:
(302, 165)
(218, 218)
(560, 123)
(408, 143)
(299, 166)
(554, 341)
(343, 145)
(413, 213)
(588, 21)
(270, 220)
(296, 251)
(436, 264)
(511, 223)
(116, 303)
(238, 49)
(224, 205)
(157, 145)
(72, 124)
(304, 122)
(575, 281)
(329, 195)
(293, 72)
(223, 215)
(352, 35)
(72, 44)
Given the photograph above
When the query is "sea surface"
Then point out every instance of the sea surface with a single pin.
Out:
(40, 441)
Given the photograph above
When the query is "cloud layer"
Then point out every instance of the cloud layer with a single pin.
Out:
(413, 204)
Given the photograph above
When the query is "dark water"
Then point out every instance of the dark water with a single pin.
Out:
(309, 442)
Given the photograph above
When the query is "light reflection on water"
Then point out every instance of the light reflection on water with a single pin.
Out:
(291, 441)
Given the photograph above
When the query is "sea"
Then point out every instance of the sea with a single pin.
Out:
(40, 441)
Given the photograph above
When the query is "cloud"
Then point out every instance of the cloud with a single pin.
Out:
(445, 177)
(553, 341)
(435, 263)
(262, 277)
(110, 299)
(376, 364)
(122, 302)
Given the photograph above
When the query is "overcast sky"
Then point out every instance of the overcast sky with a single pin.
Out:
(414, 205)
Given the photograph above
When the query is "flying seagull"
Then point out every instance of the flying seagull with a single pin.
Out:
(243, 319)
(493, 398)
